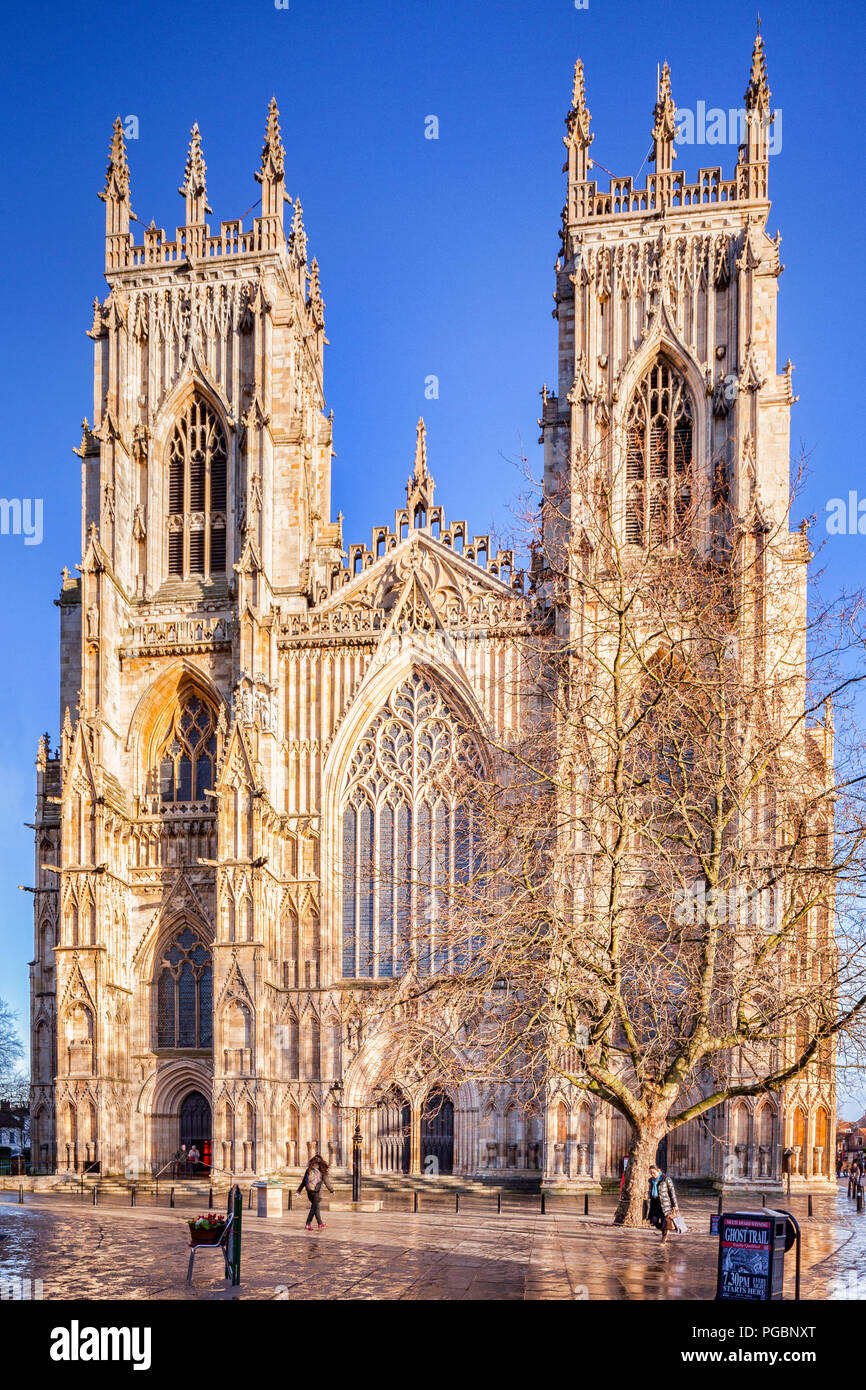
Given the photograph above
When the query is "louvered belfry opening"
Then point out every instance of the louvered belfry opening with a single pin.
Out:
(659, 445)
(197, 495)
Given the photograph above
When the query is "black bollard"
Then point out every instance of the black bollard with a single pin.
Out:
(236, 1197)
(543, 1203)
(720, 1204)
(21, 1194)
(415, 1201)
(291, 1194)
(210, 1198)
(763, 1199)
(811, 1212)
(95, 1195)
(499, 1204)
(859, 1199)
(457, 1201)
(132, 1196)
(586, 1204)
(171, 1198)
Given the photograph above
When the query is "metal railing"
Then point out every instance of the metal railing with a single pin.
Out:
(465, 1201)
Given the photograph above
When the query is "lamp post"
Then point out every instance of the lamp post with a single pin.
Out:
(357, 1140)
(356, 1159)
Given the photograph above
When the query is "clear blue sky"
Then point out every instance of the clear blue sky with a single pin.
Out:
(436, 256)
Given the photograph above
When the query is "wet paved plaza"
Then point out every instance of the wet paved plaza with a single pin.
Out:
(85, 1252)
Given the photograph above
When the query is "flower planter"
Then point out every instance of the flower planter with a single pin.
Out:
(200, 1236)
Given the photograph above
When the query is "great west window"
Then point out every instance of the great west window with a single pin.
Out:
(407, 835)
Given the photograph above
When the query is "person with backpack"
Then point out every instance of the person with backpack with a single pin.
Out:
(663, 1207)
(312, 1182)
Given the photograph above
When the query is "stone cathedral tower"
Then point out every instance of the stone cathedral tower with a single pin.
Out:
(205, 506)
(666, 299)
(252, 715)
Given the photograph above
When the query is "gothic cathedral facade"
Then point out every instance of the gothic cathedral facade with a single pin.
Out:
(246, 702)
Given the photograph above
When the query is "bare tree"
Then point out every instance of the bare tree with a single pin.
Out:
(11, 1049)
(660, 900)
(15, 1087)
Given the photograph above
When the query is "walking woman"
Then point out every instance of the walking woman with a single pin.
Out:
(663, 1206)
(312, 1182)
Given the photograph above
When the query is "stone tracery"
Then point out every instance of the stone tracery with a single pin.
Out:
(406, 833)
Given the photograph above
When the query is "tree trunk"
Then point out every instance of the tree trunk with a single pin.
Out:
(635, 1189)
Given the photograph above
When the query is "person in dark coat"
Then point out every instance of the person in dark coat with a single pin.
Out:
(663, 1205)
(314, 1179)
(854, 1178)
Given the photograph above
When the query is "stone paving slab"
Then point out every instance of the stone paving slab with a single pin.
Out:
(82, 1252)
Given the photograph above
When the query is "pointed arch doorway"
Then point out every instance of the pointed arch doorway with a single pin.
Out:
(196, 1128)
(437, 1135)
(394, 1132)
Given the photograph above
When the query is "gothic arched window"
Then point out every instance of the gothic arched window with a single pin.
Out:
(187, 764)
(197, 494)
(658, 466)
(184, 993)
(407, 834)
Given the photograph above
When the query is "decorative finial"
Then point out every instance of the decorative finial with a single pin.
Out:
(315, 303)
(664, 86)
(86, 437)
(664, 123)
(420, 470)
(194, 187)
(117, 174)
(578, 91)
(271, 176)
(578, 119)
(273, 165)
(297, 236)
(420, 488)
(753, 163)
(758, 91)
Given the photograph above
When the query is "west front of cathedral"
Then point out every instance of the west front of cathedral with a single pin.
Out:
(250, 708)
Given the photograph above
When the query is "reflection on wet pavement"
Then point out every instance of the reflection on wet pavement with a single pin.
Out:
(83, 1252)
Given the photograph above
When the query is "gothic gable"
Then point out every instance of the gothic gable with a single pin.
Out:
(422, 584)
(235, 987)
(77, 990)
(182, 901)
